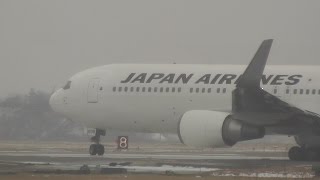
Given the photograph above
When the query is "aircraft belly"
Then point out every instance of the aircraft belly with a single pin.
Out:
(156, 113)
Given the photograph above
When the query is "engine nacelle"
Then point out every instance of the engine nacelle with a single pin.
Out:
(202, 128)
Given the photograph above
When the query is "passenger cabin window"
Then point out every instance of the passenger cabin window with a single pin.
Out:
(191, 90)
(149, 89)
(161, 89)
(114, 89)
(173, 89)
(295, 91)
(209, 90)
(313, 91)
(155, 89)
(138, 89)
(218, 90)
(120, 89)
(179, 89)
(203, 90)
(167, 89)
(197, 90)
(67, 86)
(126, 89)
(131, 89)
(143, 89)
(307, 91)
(224, 90)
(301, 91)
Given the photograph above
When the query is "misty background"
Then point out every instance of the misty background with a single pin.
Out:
(43, 43)
(30, 117)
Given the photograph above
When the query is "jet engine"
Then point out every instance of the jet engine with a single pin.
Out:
(203, 128)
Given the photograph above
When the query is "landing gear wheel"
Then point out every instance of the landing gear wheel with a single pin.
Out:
(100, 149)
(296, 153)
(311, 155)
(304, 154)
(93, 149)
(96, 149)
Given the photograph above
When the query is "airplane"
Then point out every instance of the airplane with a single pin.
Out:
(207, 106)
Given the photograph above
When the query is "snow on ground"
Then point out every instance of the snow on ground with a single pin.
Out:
(268, 174)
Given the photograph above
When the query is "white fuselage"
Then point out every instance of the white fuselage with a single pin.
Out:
(153, 98)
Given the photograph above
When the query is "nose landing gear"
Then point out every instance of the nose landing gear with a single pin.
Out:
(97, 148)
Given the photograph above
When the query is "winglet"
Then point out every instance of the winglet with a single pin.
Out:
(252, 75)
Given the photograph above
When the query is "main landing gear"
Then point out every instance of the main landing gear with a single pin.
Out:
(96, 148)
(304, 154)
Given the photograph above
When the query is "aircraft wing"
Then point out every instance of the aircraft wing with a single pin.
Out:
(253, 105)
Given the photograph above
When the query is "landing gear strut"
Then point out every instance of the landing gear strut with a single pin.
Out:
(96, 148)
(304, 154)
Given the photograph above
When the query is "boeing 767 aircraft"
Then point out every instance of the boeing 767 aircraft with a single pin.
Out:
(206, 105)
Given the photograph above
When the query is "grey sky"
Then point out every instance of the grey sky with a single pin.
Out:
(42, 43)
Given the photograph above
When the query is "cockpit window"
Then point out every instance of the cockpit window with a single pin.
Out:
(67, 86)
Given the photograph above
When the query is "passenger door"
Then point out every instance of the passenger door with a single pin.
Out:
(93, 89)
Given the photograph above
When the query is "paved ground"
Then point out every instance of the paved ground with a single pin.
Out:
(125, 177)
(236, 161)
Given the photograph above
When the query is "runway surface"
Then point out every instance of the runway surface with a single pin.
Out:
(220, 161)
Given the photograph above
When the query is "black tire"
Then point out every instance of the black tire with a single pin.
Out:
(312, 155)
(296, 154)
(93, 149)
(84, 169)
(100, 149)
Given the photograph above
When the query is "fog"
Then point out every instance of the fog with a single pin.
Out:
(29, 117)
(43, 43)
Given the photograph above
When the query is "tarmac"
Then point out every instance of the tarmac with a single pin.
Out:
(60, 159)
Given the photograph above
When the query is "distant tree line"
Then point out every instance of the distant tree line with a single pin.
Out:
(30, 117)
